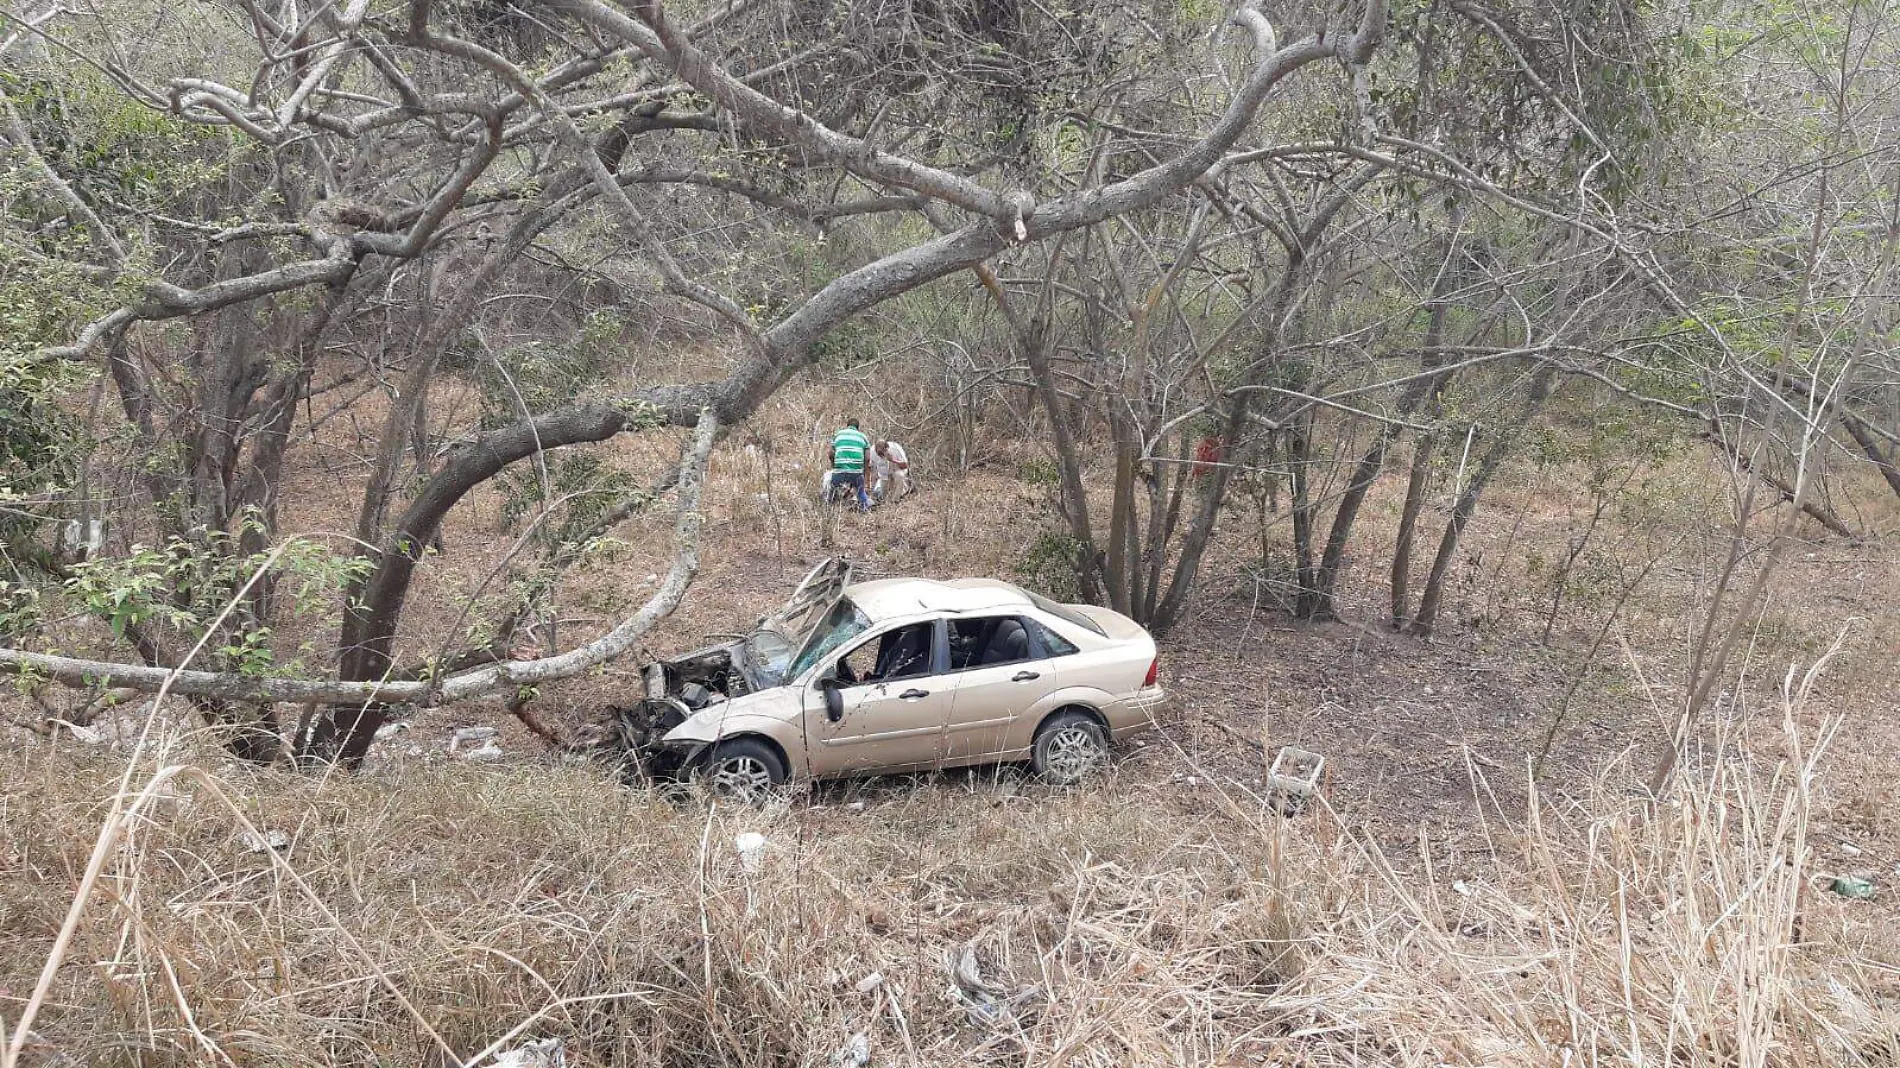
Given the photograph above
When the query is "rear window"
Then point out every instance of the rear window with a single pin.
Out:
(1065, 613)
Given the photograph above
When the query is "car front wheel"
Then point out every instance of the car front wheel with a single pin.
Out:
(1069, 748)
(742, 769)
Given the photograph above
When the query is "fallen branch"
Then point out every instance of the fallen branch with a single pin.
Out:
(494, 678)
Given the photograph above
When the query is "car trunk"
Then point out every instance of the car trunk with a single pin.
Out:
(1116, 625)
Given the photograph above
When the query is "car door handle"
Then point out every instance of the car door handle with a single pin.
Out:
(913, 695)
(1025, 676)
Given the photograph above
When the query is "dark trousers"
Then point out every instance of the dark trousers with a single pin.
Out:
(854, 481)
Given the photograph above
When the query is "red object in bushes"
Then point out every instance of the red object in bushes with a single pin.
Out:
(1206, 455)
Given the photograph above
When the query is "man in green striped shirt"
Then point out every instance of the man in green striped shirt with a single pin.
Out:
(847, 461)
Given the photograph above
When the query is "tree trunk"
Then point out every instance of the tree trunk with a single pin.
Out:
(1121, 503)
(1237, 403)
(1367, 471)
(1299, 447)
(1032, 342)
(1416, 483)
(1467, 504)
(1863, 436)
(1173, 479)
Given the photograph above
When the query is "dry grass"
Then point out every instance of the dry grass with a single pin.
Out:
(428, 912)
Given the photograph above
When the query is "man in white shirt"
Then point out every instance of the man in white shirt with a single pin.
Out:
(892, 466)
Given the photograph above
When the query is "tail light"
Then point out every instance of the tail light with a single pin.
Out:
(1154, 673)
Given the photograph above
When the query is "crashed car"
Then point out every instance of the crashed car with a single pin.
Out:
(897, 675)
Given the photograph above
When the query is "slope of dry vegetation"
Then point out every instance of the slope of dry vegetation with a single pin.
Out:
(1440, 913)
(1539, 350)
(421, 912)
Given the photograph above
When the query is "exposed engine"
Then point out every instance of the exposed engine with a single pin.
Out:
(703, 678)
(675, 690)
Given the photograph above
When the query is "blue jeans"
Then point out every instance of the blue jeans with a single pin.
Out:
(854, 480)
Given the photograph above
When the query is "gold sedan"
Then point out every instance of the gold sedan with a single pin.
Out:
(902, 675)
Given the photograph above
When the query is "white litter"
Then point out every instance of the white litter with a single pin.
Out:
(985, 1002)
(390, 730)
(487, 753)
(541, 1053)
(263, 842)
(855, 1053)
(870, 982)
(83, 735)
(469, 735)
(751, 847)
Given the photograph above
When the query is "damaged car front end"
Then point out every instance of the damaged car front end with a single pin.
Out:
(707, 681)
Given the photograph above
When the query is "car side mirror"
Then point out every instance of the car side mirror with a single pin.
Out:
(834, 699)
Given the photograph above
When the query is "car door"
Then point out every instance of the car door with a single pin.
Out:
(1000, 672)
(895, 703)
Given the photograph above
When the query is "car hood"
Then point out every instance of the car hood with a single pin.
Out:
(815, 595)
(720, 717)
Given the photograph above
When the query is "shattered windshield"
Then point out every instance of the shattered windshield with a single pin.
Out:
(843, 623)
(771, 653)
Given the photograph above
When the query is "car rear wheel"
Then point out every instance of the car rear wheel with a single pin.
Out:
(742, 769)
(1069, 748)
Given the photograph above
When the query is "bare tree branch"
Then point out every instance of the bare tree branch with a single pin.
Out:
(494, 678)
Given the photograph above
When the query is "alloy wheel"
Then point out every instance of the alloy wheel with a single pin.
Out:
(741, 778)
(1073, 752)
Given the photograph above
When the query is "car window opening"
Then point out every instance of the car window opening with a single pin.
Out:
(899, 654)
(987, 642)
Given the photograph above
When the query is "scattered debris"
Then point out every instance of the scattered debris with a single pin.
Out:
(540, 1053)
(751, 847)
(469, 735)
(1461, 888)
(390, 730)
(1847, 850)
(1854, 887)
(82, 735)
(1294, 779)
(263, 842)
(870, 982)
(986, 1003)
(855, 1053)
(488, 753)
(855, 806)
